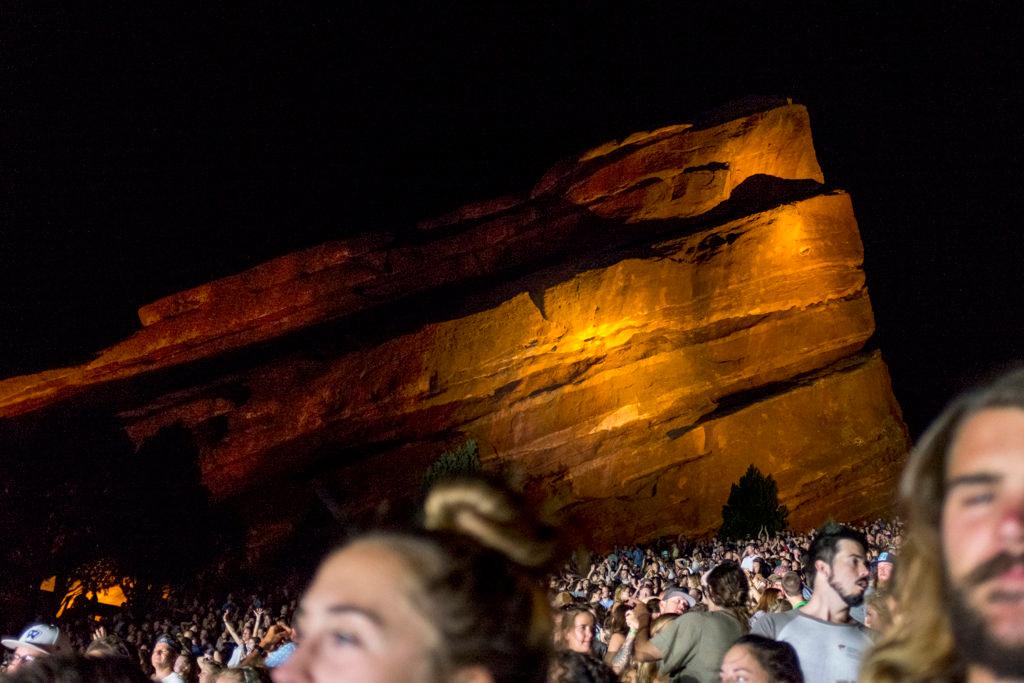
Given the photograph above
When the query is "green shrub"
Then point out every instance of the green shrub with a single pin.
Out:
(463, 460)
(753, 508)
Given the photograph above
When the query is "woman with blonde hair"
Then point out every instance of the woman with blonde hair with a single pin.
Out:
(619, 634)
(878, 614)
(772, 601)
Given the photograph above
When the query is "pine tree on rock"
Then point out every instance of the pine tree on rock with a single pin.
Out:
(753, 507)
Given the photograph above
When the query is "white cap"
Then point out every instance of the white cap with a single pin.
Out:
(42, 638)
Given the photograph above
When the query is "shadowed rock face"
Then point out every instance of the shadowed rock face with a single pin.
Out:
(655, 316)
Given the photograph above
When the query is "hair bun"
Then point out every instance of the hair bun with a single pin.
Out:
(490, 516)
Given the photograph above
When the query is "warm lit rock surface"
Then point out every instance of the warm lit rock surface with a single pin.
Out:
(658, 314)
(833, 441)
(675, 172)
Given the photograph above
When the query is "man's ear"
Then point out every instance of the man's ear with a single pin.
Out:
(819, 568)
(472, 674)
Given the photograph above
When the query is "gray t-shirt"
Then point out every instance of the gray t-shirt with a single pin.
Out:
(828, 652)
(693, 645)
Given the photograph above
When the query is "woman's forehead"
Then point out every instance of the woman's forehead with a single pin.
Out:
(365, 575)
(583, 618)
(362, 561)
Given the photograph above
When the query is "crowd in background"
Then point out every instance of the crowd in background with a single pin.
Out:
(592, 597)
(596, 596)
(480, 593)
(199, 636)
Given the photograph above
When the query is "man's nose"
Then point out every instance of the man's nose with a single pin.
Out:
(1011, 525)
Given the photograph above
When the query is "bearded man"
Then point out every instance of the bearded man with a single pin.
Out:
(960, 587)
(829, 642)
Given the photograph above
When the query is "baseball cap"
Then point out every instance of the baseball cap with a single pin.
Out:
(168, 640)
(674, 591)
(885, 556)
(45, 639)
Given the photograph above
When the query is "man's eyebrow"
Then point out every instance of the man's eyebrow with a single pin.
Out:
(974, 478)
(347, 608)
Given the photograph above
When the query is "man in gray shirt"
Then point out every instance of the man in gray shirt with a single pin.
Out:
(828, 641)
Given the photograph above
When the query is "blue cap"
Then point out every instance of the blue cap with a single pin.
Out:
(885, 556)
(168, 640)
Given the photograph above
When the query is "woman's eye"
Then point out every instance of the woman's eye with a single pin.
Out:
(344, 638)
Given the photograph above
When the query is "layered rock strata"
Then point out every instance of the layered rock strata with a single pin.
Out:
(655, 316)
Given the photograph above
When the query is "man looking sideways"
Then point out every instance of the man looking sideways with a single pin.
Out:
(827, 640)
(960, 586)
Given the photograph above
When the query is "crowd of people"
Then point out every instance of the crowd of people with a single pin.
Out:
(625, 608)
(193, 639)
(615, 610)
(481, 594)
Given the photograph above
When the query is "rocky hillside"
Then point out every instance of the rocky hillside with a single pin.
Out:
(624, 340)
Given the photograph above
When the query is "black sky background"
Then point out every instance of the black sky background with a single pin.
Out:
(148, 148)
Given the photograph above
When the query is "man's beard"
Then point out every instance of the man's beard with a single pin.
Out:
(851, 599)
(976, 643)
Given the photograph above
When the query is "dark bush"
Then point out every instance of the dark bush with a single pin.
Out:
(753, 508)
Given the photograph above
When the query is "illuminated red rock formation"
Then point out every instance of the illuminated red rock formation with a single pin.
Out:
(674, 172)
(654, 317)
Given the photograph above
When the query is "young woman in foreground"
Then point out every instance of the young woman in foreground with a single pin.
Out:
(462, 601)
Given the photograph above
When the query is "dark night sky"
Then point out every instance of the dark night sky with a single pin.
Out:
(147, 150)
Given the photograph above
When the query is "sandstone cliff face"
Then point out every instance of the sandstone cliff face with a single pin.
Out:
(652, 318)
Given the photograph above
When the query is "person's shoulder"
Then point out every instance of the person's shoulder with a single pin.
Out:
(770, 624)
(668, 632)
(690, 618)
(695, 621)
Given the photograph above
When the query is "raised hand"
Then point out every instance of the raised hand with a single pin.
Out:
(275, 634)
